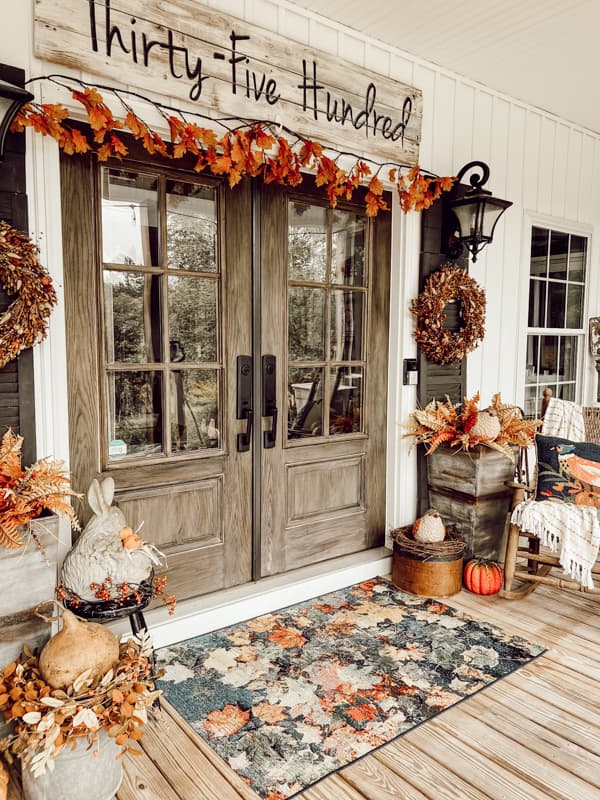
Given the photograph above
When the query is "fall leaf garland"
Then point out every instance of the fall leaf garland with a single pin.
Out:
(21, 274)
(438, 344)
(258, 148)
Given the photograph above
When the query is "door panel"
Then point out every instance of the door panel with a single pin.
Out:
(165, 273)
(325, 309)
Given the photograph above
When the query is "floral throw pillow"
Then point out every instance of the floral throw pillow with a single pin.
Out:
(568, 471)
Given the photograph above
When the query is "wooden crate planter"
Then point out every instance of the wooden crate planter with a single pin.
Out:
(469, 490)
(428, 570)
(27, 579)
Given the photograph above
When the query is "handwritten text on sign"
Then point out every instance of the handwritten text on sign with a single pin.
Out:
(217, 62)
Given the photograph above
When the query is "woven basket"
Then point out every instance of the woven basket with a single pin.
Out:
(428, 569)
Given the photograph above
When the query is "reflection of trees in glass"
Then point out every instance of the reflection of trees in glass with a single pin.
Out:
(306, 323)
(132, 319)
(193, 316)
(307, 254)
(195, 415)
(191, 245)
(137, 403)
(348, 248)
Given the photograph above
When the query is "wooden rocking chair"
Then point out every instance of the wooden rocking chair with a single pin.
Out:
(526, 567)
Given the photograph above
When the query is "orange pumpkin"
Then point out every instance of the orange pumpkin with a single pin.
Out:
(483, 577)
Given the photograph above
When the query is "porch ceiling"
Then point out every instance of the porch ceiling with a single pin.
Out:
(543, 52)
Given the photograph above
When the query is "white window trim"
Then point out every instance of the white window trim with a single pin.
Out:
(585, 371)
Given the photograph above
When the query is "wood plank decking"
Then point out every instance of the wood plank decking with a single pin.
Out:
(532, 736)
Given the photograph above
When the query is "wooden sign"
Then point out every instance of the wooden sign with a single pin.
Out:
(225, 66)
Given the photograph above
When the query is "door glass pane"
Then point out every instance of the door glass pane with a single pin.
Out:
(559, 251)
(346, 325)
(345, 406)
(134, 414)
(537, 303)
(191, 227)
(192, 318)
(195, 411)
(305, 402)
(306, 324)
(556, 305)
(577, 258)
(348, 248)
(131, 317)
(129, 218)
(307, 242)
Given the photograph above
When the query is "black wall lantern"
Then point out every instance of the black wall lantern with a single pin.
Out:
(11, 99)
(475, 210)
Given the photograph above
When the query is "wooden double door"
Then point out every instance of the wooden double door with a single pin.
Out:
(227, 367)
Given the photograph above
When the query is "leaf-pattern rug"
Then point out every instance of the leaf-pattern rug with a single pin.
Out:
(289, 697)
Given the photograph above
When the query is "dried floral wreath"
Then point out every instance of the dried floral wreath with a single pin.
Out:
(23, 324)
(438, 344)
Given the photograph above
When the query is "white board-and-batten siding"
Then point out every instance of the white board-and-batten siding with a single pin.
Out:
(548, 168)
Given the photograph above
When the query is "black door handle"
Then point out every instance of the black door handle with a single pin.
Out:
(269, 399)
(244, 401)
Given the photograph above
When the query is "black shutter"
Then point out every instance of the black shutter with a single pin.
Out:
(16, 378)
(436, 381)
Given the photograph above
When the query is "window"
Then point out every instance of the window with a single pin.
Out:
(161, 284)
(555, 325)
(327, 303)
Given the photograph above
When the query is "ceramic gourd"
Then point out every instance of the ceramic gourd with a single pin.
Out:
(79, 646)
(487, 426)
(429, 528)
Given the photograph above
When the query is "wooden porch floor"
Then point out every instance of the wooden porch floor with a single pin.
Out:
(532, 736)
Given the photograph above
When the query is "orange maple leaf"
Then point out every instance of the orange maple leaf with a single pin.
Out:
(221, 165)
(263, 139)
(310, 153)
(79, 141)
(375, 185)
(226, 722)
(362, 712)
(135, 125)
(287, 638)
(271, 714)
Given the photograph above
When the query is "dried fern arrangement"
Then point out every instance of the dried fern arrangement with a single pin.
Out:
(500, 426)
(26, 492)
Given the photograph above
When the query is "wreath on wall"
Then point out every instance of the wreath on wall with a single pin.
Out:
(439, 344)
(24, 323)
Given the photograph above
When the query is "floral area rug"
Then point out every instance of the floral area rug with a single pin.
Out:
(287, 698)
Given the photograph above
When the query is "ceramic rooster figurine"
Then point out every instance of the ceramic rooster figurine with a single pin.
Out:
(108, 547)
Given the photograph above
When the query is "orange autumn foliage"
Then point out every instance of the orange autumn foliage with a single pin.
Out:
(250, 151)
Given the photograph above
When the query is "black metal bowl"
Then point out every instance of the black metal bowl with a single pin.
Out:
(111, 609)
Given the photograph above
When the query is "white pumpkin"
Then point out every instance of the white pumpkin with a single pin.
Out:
(79, 646)
(429, 528)
(487, 426)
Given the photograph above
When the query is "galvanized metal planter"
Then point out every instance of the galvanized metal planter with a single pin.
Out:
(469, 490)
(78, 774)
